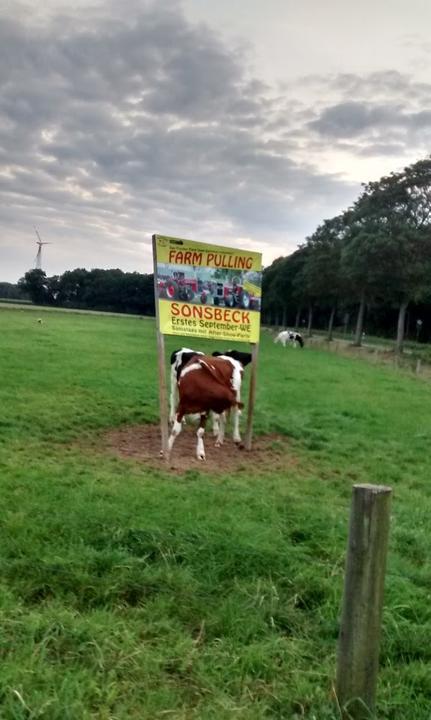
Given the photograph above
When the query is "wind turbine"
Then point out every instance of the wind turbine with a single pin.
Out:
(39, 243)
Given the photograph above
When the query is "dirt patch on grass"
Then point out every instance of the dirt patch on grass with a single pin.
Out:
(142, 443)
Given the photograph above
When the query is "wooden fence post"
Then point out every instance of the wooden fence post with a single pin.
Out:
(359, 639)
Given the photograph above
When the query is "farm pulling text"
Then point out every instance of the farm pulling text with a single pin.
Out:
(210, 259)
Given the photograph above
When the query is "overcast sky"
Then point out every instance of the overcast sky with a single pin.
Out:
(243, 122)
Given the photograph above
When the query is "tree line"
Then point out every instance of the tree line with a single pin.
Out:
(108, 290)
(372, 261)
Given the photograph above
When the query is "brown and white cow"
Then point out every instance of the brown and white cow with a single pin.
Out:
(210, 383)
(179, 359)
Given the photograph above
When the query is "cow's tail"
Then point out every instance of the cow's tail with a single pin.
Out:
(239, 405)
(211, 369)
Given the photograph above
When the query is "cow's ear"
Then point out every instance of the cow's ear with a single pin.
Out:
(247, 359)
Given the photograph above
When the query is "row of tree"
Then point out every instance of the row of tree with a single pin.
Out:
(376, 256)
(10, 291)
(109, 290)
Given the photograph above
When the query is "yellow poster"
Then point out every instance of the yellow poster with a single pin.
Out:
(208, 291)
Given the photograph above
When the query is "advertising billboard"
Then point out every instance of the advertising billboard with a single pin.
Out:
(207, 291)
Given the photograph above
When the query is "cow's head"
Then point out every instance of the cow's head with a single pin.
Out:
(242, 357)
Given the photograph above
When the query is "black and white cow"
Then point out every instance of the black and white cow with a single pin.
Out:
(289, 336)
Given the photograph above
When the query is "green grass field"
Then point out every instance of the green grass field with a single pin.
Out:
(128, 592)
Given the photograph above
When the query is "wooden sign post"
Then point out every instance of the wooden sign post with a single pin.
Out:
(163, 397)
(251, 396)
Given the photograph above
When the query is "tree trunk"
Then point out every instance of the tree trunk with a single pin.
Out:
(284, 317)
(345, 322)
(360, 322)
(298, 318)
(331, 321)
(277, 318)
(400, 327)
(310, 320)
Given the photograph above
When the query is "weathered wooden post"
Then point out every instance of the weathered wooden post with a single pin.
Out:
(251, 396)
(163, 395)
(359, 639)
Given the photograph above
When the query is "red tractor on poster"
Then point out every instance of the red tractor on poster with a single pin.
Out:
(178, 287)
(235, 295)
(230, 294)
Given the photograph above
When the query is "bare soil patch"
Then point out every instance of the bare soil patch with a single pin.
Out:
(142, 443)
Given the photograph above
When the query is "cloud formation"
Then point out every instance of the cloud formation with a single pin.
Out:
(115, 124)
(390, 113)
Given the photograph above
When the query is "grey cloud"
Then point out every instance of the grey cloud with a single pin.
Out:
(387, 85)
(386, 82)
(381, 149)
(354, 118)
(348, 104)
(380, 114)
(421, 120)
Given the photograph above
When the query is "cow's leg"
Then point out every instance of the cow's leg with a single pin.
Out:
(200, 449)
(216, 423)
(236, 384)
(236, 413)
(176, 429)
(221, 429)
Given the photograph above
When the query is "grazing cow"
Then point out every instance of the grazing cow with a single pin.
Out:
(210, 383)
(289, 336)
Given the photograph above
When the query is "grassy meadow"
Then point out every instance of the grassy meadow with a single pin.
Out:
(129, 592)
